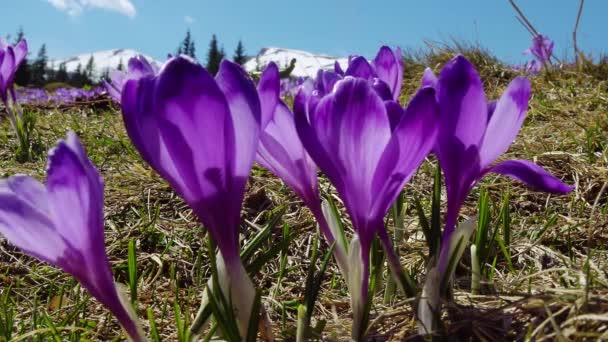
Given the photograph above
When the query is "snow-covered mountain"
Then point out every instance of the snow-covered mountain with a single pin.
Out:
(103, 60)
(307, 63)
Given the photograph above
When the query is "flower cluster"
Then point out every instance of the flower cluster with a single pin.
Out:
(62, 96)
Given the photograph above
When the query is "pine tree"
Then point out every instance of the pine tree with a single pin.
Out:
(186, 47)
(23, 74)
(62, 74)
(50, 73)
(239, 54)
(77, 79)
(191, 49)
(89, 70)
(105, 75)
(120, 66)
(39, 67)
(214, 56)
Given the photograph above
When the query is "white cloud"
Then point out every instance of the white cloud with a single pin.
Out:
(189, 20)
(76, 7)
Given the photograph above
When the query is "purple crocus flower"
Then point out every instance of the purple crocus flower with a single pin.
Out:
(386, 67)
(11, 58)
(137, 68)
(282, 152)
(542, 49)
(201, 135)
(349, 136)
(474, 133)
(62, 223)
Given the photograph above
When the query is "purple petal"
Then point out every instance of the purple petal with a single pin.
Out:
(245, 111)
(63, 224)
(395, 113)
(25, 219)
(532, 175)
(139, 67)
(360, 67)
(7, 70)
(506, 120)
(115, 84)
(312, 144)
(282, 152)
(74, 186)
(389, 68)
(464, 114)
(353, 128)
(325, 82)
(20, 51)
(412, 140)
(462, 103)
(338, 69)
(382, 90)
(429, 79)
(268, 90)
(201, 135)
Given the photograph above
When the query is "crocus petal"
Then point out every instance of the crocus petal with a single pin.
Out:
(506, 120)
(395, 113)
(115, 84)
(411, 142)
(74, 185)
(138, 67)
(338, 69)
(268, 90)
(7, 70)
(532, 175)
(462, 102)
(464, 115)
(181, 123)
(25, 219)
(360, 67)
(62, 224)
(325, 82)
(244, 105)
(354, 128)
(389, 68)
(20, 51)
(382, 89)
(429, 79)
(282, 152)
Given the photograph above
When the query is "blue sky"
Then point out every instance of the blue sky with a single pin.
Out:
(336, 27)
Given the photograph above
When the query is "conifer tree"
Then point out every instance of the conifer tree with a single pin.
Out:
(239, 54)
(39, 67)
(214, 56)
(62, 74)
(89, 70)
(187, 47)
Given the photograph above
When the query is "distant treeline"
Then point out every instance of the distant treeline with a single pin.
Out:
(37, 72)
